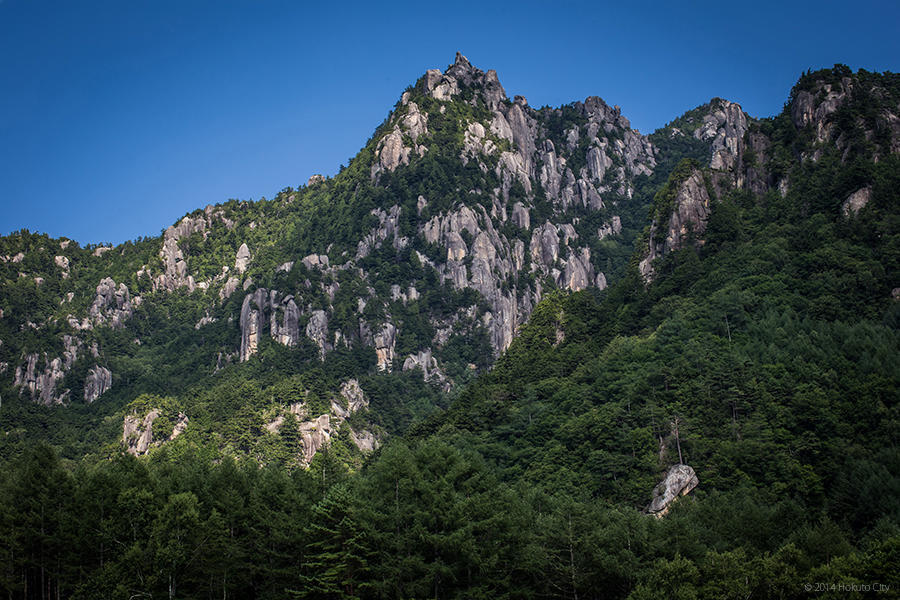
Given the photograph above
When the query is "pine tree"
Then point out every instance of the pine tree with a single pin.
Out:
(336, 562)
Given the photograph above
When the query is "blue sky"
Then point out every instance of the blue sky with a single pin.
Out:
(117, 117)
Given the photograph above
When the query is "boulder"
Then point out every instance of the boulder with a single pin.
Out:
(679, 481)
(856, 201)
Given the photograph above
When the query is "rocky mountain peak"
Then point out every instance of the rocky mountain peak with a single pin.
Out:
(463, 75)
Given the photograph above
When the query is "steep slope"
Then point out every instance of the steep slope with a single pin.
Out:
(425, 254)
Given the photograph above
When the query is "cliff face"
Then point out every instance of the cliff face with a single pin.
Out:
(531, 160)
(574, 161)
(687, 220)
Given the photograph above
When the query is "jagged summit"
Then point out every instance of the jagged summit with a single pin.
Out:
(460, 75)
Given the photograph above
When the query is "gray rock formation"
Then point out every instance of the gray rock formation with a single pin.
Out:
(242, 259)
(813, 109)
(724, 127)
(137, 433)
(230, 287)
(353, 395)
(252, 320)
(385, 341)
(41, 384)
(364, 440)
(679, 481)
(317, 331)
(176, 275)
(284, 319)
(391, 152)
(388, 228)
(756, 177)
(520, 216)
(71, 348)
(315, 261)
(264, 308)
(98, 380)
(610, 228)
(175, 266)
(427, 363)
(579, 273)
(63, 263)
(856, 201)
(544, 246)
(112, 304)
(316, 434)
(204, 321)
(689, 215)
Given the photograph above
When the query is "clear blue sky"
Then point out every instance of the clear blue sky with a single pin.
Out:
(119, 116)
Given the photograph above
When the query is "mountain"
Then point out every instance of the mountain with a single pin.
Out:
(426, 253)
(474, 363)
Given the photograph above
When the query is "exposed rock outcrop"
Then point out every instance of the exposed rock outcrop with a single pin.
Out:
(856, 201)
(385, 340)
(679, 481)
(612, 227)
(42, 384)
(284, 320)
(98, 380)
(364, 440)
(112, 304)
(175, 266)
(316, 433)
(176, 275)
(353, 395)
(813, 108)
(264, 308)
(688, 218)
(252, 319)
(427, 363)
(230, 287)
(137, 433)
(317, 331)
(242, 259)
(724, 128)
(63, 263)
(388, 228)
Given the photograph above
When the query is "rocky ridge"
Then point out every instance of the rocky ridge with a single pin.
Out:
(741, 157)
